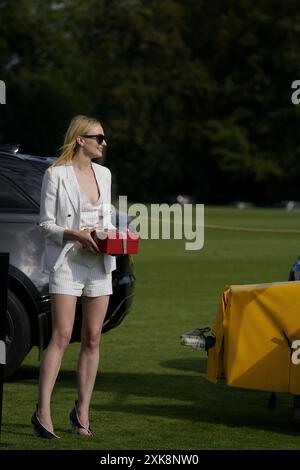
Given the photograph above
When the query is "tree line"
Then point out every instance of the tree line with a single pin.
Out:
(194, 95)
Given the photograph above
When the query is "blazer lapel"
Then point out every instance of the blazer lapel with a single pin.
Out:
(72, 187)
(100, 181)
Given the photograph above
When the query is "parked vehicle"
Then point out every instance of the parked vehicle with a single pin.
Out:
(28, 307)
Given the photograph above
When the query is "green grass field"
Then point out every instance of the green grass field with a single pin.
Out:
(151, 392)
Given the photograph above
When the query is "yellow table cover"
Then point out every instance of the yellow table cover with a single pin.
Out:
(255, 329)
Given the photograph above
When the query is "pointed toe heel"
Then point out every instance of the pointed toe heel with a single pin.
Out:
(39, 430)
(77, 425)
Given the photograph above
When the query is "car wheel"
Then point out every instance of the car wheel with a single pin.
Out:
(17, 335)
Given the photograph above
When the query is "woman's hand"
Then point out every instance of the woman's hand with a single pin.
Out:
(87, 241)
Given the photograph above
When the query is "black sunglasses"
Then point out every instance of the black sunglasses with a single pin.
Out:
(98, 137)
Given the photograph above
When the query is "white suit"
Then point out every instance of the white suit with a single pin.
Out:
(60, 209)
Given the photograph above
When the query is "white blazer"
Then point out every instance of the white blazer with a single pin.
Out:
(60, 209)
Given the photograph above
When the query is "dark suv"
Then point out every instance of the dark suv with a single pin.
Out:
(28, 308)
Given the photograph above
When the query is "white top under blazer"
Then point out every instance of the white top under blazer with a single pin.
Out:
(60, 209)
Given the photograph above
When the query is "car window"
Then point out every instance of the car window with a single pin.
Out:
(12, 200)
(25, 175)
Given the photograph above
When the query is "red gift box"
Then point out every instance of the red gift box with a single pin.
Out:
(117, 243)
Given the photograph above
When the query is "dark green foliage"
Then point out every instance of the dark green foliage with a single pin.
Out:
(195, 95)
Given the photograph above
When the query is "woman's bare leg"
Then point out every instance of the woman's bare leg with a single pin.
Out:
(63, 315)
(94, 311)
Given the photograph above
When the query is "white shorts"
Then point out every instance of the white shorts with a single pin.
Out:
(81, 273)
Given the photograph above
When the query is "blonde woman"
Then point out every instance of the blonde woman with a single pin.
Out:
(75, 200)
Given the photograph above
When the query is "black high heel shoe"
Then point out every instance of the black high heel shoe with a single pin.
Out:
(77, 425)
(39, 429)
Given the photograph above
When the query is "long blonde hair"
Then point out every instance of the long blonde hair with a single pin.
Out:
(78, 126)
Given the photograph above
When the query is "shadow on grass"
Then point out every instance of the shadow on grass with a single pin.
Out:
(5, 445)
(196, 399)
(188, 364)
(25, 430)
(25, 373)
(17, 430)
